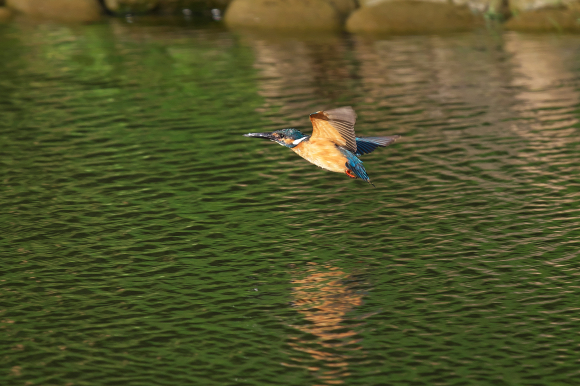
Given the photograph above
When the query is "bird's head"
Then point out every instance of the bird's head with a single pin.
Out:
(285, 137)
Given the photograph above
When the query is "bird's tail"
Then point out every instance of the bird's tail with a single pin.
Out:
(357, 168)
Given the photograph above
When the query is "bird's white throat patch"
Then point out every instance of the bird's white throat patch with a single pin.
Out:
(297, 141)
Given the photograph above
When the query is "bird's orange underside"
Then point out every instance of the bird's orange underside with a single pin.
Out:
(323, 153)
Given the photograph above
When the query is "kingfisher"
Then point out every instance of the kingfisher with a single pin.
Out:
(333, 144)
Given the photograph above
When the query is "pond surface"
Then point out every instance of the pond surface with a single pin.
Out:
(145, 241)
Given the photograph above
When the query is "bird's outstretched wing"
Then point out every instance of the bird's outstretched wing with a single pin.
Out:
(365, 145)
(336, 125)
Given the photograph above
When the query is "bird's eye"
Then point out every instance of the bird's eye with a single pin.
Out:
(282, 136)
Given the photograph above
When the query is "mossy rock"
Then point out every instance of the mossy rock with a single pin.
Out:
(412, 17)
(546, 20)
(288, 15)
(62, 10)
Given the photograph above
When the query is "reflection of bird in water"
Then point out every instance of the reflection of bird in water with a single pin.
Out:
(333, 145)
(324, 297)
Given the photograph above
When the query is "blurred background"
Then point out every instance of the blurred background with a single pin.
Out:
(145, 241)
(364, 16)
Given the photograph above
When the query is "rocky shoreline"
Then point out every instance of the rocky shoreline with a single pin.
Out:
(361, 17)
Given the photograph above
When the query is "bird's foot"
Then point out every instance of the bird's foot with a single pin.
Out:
(350, 173)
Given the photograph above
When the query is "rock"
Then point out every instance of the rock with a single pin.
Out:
(289, 14)
(517, 6)
(123, 7)
(495, 9)
(407, 17)
(5, 14)
(544, 15)
(370, 3)
(564, 19)
(63, 10)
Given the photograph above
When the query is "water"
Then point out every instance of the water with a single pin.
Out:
(145, 241)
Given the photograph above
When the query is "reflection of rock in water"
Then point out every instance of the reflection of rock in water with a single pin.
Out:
(323, 296)
(508, 88)
(444, 75)
(299, 75)
(544, 78)
(543, 71)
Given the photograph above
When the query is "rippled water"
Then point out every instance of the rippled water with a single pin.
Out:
(144, 241)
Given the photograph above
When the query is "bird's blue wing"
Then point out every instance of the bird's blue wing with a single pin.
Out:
(365, 145)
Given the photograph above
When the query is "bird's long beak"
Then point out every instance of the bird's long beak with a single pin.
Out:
(260, 135)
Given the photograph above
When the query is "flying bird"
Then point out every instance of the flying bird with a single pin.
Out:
(333, 144)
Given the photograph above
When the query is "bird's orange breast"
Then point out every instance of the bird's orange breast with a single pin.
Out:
(322, 152)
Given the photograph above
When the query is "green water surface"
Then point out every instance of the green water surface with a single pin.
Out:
(145, 241)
